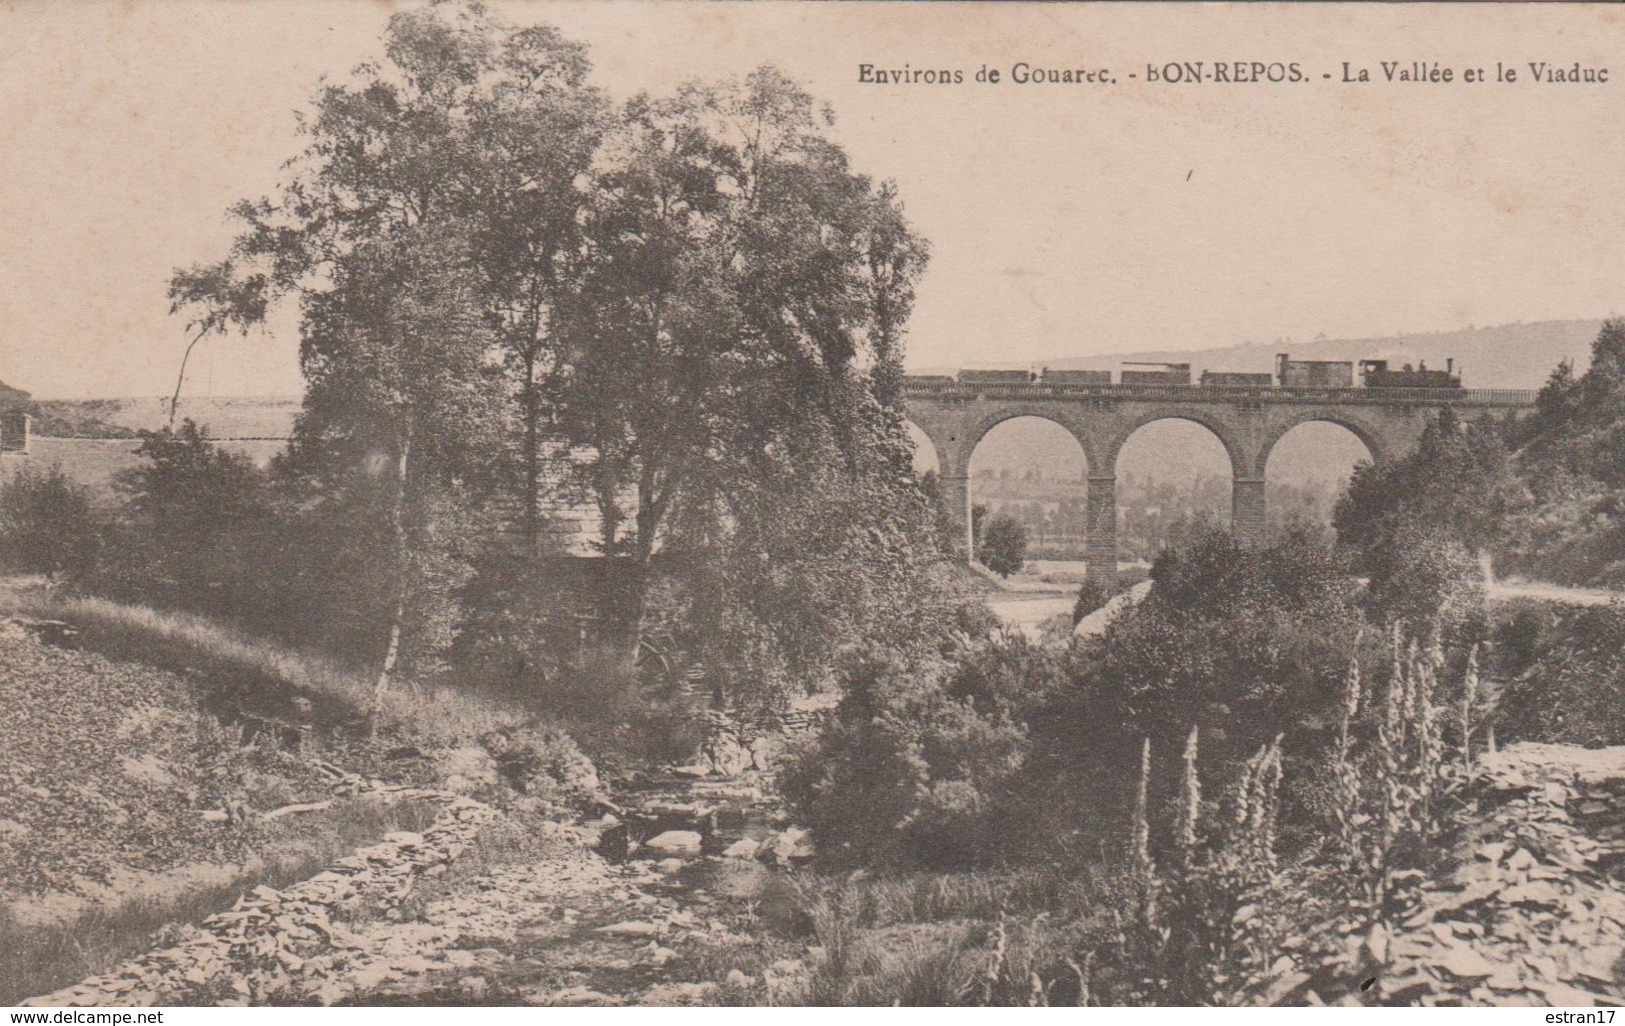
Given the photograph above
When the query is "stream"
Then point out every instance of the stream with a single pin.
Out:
(623, 922)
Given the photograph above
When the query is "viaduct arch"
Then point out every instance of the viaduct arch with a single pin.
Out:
(1248, 421)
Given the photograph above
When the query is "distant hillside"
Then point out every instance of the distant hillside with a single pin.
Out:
(224, 417)
(11, 398)
(1504, 356)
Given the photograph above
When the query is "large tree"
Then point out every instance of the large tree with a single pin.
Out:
(695, 296)
(473, 136)
(740, 330)
(425, 230)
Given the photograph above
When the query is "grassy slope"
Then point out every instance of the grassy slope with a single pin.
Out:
(108, 761)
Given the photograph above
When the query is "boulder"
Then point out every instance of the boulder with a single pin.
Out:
(467, 770)
(728, 758)
(793, 843)
(763, 751)
(744, 848)
(675, 841)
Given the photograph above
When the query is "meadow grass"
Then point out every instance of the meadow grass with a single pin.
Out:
(187, 641)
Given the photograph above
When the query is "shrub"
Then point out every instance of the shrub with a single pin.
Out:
(194, 530)
(1419, 523)
(1249, 643)
(542, 761)
(1573, 690)
(1421, 575)
(1002, 545)
(908, 772)
(47, 524)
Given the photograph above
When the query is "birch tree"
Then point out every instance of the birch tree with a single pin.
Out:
(426, 230)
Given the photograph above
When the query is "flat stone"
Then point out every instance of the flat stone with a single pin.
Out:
(630, 928)
(677, 993)
(1537, 892)
(571, 996)
(744, 848)
(675, 840)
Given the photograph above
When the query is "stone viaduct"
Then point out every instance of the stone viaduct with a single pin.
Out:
(1247, 420)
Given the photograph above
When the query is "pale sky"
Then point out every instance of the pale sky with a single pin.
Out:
(1064, 220)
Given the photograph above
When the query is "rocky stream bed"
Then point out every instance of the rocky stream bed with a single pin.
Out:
(661, 902)
(635, 908)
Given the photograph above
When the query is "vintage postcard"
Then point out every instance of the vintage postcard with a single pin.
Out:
(512, 503)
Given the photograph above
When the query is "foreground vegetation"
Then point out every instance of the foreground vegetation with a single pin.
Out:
(687, 313)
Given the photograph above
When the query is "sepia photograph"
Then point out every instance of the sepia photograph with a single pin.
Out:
(522, 504)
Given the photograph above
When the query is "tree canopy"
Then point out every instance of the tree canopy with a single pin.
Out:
(693, 297)
(1421, 523)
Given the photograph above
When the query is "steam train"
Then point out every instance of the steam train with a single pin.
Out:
(1289, 373)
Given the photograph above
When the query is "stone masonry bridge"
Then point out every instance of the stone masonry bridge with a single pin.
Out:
(1248, 420)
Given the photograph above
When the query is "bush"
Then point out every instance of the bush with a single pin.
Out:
(1421, 575)
(195, 530)
(47, 524)
(1247, 642)
(909, 772)
(542, 761)
(1002, 545)
(1573, 690)
(1419, 523)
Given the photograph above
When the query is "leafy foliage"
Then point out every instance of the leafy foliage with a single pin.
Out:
(1002, 545)
(739, 274)
(194, 527)
(47, 524)
(916, 765)
(1573, 690)
(1572, 455)
(1246, 643)
(693, 296)
(1420, 523)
